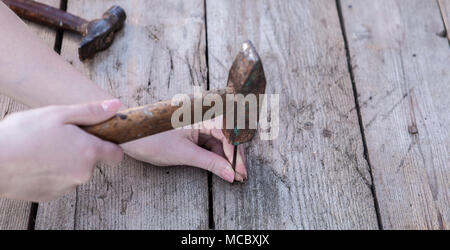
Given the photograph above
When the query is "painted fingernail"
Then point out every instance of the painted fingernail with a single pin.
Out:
(228, 174)
(111, 105)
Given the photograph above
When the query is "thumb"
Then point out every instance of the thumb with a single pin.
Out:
(91, 113)
(202, 158)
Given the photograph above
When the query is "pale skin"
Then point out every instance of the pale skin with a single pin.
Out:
(44, 154)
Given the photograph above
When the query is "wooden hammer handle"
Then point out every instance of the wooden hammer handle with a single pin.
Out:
(47, 15)
(139, 122)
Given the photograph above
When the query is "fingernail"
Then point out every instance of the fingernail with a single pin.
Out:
(239, 177)
(228, 174)
(111, 105)
(240, 161)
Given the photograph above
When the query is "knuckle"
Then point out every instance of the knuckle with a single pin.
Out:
(83, 172)
(114, 152)
(52, 113)
(212, 164)
(93, 109)
(52, 110)
(108, 148)
(90, 153)
(192, 135)
(83, 176)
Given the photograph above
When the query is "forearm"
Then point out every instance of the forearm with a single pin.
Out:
(33, 74)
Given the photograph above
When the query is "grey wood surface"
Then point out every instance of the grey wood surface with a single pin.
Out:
(150, 59)
(401, 68)
(15, 214)
(314, 175)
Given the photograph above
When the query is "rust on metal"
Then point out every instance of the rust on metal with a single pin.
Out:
(47, 15)
(246, 76)
(100, 32)
(97, 34)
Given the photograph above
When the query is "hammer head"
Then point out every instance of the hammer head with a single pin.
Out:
(246, 76)
(100, 32)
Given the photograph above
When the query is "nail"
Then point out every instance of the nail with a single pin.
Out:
(228, 174)
(111, 105)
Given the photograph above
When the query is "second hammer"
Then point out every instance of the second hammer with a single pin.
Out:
(98, 34)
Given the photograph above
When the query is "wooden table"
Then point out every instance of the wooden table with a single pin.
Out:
(364, 92)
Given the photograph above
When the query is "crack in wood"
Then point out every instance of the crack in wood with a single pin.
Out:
(171, 67)
(358, 110)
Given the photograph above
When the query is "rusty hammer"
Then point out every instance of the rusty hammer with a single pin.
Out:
(246, 76)
(97, 34)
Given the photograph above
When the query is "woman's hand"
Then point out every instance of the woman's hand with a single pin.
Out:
(43, 154)
(51, 82)
(187, 147)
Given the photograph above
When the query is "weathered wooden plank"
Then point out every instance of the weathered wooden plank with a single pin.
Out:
(314, 175)
(401, 72)
(444, 6)
(15, 214)
(152, 58)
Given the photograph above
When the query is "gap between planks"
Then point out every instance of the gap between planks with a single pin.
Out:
(57, 48)
(211, 224)
(358, 111)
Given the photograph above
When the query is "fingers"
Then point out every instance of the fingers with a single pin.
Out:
(91, 113)
(107, 152)
(202, 158)
(215, 123)
(215, 146)
(241, 170)
(97, 151)
(228, 150)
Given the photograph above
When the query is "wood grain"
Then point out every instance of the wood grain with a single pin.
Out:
(15, 214)
(159, 53)
(401, 72)
(314, 175)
